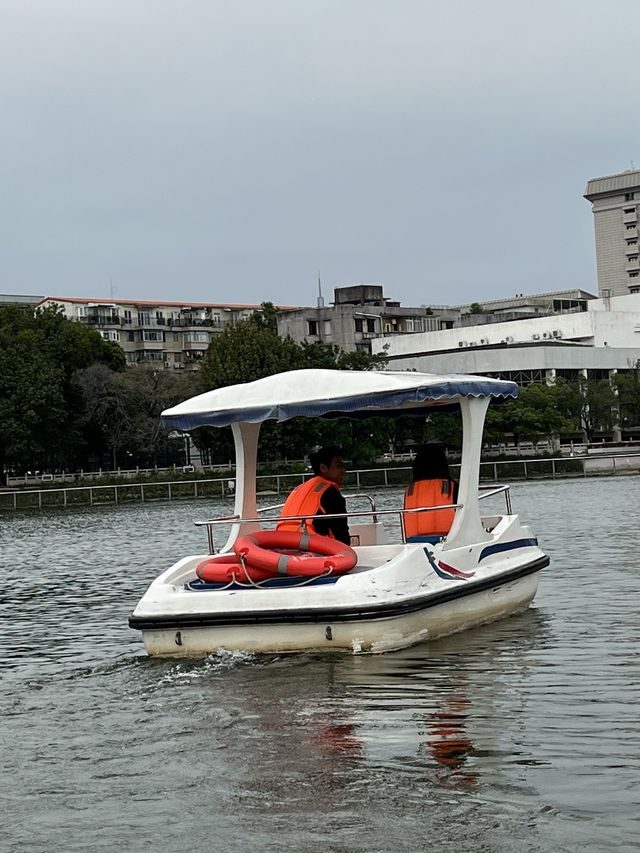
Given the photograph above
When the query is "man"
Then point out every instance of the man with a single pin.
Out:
(320, 496)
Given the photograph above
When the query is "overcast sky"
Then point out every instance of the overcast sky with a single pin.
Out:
(228, 151)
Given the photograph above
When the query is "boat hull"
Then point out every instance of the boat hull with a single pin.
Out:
(364, 633)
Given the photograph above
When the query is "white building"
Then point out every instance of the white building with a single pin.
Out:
(594, 343)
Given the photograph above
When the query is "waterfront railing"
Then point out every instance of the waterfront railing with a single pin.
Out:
(277, 484)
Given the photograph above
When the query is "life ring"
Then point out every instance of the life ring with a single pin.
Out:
(228, 568)
(265, 548)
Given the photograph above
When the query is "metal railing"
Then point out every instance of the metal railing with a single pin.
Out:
(373, 513)
(224, 487)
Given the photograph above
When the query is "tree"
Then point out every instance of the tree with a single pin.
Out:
(596, 404)
(247, 351)
(628, 387)
(476, 308)
(39, 354)
(32, 406)
(539, 410)
(121, 411)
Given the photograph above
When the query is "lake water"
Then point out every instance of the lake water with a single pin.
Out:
(519, 736)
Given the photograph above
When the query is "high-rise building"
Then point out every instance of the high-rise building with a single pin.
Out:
(615, 200)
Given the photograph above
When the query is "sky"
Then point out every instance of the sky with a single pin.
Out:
(236, 150)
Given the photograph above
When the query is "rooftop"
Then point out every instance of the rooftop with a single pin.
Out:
(613, 183)
(164, 302)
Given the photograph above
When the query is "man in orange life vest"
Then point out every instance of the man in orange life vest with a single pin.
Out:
(431, 485)
(320, 496)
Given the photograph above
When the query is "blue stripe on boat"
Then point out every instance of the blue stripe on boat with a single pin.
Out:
(506, 546)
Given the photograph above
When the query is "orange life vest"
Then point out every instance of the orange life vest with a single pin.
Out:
(428, 493)
(305, 500)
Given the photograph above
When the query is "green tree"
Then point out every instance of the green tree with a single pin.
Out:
(247, 351)
(596, 404)
(32, 407)
(539, 410)
(121, 411)
(628, 387)
(39, 354)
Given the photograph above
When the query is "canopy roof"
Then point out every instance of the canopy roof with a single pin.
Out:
(331, 393)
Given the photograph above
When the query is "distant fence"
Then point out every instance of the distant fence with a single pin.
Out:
(277, 484)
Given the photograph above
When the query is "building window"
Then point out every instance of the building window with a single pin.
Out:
(633, 275)
(143, 318)
(126, 316)
(371, 325)
(313, 327)
(629, 210)
(149, 335)
(631, 227)
(632, 242)
(130, 336)
(159, 318)
(327, 327)
(629, 196)
(196, 337)
(359, 324)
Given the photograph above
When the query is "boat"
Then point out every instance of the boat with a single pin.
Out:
(399, 593)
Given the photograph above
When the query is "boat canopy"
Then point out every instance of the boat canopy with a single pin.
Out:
(315, 393)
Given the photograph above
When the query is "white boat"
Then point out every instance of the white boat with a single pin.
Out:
(399, 593)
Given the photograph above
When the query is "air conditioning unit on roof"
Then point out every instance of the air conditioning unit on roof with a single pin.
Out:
(509, 339)
(536, 337)
(484, 340)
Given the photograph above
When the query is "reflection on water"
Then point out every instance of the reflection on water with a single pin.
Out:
(522, 735)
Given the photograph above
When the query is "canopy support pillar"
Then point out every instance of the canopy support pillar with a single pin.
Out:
(467, 525)
(245, 439)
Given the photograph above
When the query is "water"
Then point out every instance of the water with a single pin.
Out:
(521, 735)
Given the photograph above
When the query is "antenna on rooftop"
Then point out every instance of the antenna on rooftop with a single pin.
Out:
(113, 290)
(320, 296)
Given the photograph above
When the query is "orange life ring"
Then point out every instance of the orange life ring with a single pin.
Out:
(265, 548)
(228, 568)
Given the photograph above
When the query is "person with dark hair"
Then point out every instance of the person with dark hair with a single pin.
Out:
(320, 496)
(431, 485)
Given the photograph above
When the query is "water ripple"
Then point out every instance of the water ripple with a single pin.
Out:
(523, 735)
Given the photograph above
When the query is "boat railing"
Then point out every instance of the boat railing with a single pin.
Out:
(373, 513)
(363, 496)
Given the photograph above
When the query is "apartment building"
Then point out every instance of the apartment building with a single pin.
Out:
(359, 314)
(167, 334)
(615, 200)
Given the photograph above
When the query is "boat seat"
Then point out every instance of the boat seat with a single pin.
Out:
(431, 540)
